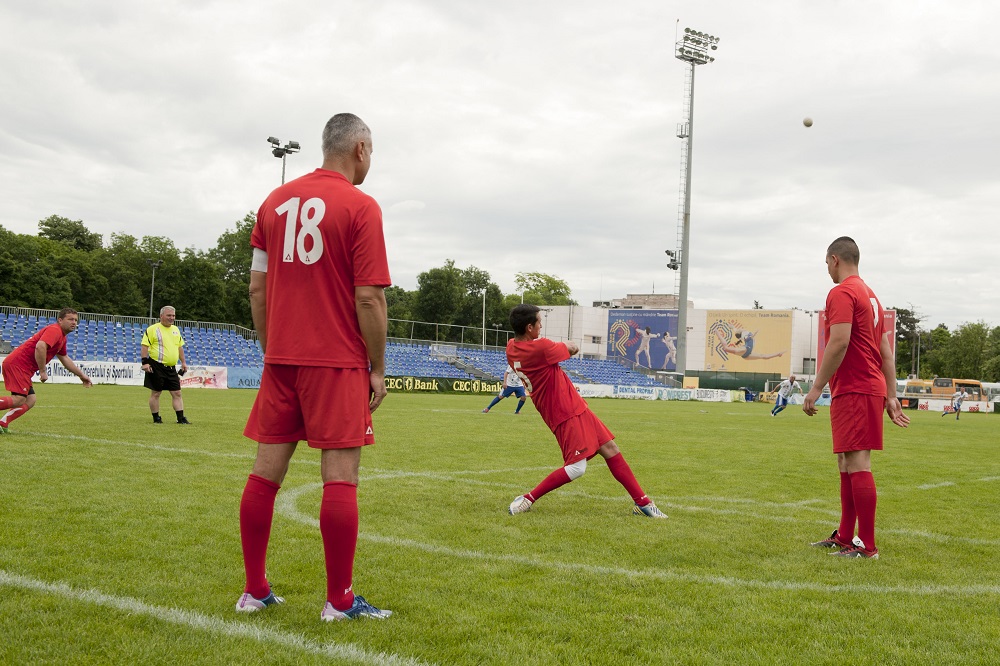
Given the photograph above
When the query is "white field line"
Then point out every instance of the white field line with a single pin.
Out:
(931, 486)
(376, 474)
(207, 623)
(286, 507)
(990, 478)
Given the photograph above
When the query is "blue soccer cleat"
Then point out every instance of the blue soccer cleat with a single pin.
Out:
(360, 608)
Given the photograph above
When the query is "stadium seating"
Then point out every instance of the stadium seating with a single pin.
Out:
(102, 340)
(415, 360)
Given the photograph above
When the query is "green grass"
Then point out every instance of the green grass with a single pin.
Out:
(119, 540)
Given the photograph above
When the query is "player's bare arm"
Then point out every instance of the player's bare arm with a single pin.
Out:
(68, 363)
(833, 356)
(258, 306)
(892, 406)
(41, 349)
(572, 348)
(373, 321)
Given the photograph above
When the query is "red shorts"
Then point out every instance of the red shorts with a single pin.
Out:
(326, 407)
(581, 436)
(856, 420)
(16, 380)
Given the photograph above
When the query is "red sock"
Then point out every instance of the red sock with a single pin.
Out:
(623, 475)
(256, 513)
(848, 516)
(6, 401)
(865, 499)
(338, 524)
(13, 415)
(557, 478)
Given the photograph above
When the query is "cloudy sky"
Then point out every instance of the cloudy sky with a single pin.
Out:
(537, 136)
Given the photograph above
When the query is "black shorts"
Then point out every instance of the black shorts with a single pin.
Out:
(162, 378)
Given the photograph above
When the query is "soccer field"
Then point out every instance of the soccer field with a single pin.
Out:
(119, 540)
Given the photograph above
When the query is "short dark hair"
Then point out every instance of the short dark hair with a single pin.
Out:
(522, 316)
(845, 249)
(66, 311)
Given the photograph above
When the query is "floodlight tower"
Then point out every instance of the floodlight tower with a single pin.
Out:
(693, 49)
(282, 151)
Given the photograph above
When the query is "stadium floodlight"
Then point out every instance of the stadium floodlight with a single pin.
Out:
(283, 152)
(693, 49)
(154, 263)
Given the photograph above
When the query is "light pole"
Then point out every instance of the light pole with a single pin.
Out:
(155, 263)
(282, 151)
(693, 49)
(484, 318)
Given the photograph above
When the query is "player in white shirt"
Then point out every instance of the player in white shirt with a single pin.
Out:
(512, 385)
(785, 391)
(956, 403)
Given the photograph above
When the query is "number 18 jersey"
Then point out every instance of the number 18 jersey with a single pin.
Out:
(323, 238)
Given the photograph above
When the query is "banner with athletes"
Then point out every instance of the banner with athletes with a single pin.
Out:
(748, 340)
(645, 337)
(890, 326)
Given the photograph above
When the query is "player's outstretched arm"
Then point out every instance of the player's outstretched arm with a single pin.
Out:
(68, 363)
(572, 347)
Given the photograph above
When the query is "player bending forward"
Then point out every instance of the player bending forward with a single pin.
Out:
(580, 434)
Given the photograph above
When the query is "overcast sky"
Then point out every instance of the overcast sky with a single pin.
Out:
(537, 136)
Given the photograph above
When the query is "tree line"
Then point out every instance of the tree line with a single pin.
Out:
(66, 264)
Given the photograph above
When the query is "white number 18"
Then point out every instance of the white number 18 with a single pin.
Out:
(312, 214)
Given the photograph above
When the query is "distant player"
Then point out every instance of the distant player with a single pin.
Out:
(580, 434)
(859, 366)
(512, 385)
(785, 391)
(33, 356)
(956, 402)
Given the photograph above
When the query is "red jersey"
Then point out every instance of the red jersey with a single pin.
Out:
(323, 238)
(853, 302)
(24, 356)
(536, 362)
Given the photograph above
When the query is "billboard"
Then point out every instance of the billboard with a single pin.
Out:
(748, 340)
(645, 337)
(889, 316)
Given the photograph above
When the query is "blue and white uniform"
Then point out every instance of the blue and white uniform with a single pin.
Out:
(512, 384)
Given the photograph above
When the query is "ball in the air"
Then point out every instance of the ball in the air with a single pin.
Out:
(808, 122)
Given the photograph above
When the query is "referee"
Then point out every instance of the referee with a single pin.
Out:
(162, 347)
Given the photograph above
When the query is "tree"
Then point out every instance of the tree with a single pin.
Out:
(399, 304)
(233, 253)
(966, 353)
(907, 337)
(69, 232)
(439, 295)
(934, 353)
(543, 289)
(991, 368)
